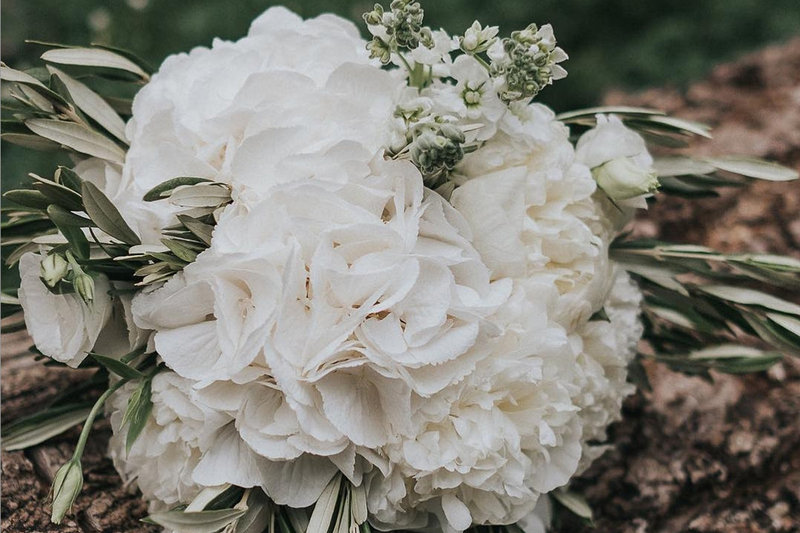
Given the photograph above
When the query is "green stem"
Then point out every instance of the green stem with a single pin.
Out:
(87, 426)
(483, 62)
(405, 63)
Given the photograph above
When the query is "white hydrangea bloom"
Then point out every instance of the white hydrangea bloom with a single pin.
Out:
(62, 325)
(351, 301)
(163, 458)
(294, 99)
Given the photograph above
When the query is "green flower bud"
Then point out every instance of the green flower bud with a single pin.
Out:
(380, 49)
(53, 269)
(436, 150)
(622, 179)
(84, 286)
(374, 17)
(67, 485)
(530, 63)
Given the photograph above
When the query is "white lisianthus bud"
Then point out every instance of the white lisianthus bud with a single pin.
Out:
(84, 286)
(67, 485)
(53, 269)
(622, 179)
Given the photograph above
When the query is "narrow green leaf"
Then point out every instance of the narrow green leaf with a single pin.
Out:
(34, 142)
(140, 405)
(744, 296)
(180, 250)
(34, 98)
(17, 76)
(27, 198)
(754, 168)
(77, 241)
(93, 105)
(93, 57)
(200, 195)
(604, 110)
(61, 217)
(147, 67)
(681, 125)
(574, 502)
(199, 229)
(78, 138)
(162, 190)
(58, 194)
(325, 507)
(116, 366)
(69, 179)
(105, 215)
(214, 498)
(44, 425)
(258, 513)
(681, 166)
(196, 521)
(21, 250)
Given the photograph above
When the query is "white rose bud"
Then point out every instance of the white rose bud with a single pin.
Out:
(67, 485)
(622, 179)
(53, 269)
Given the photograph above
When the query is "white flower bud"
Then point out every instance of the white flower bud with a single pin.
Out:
(53, 269)
(622, 179)
(67, 485)
(470, 41)
(84, 286)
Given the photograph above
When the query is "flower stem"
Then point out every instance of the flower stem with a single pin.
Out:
(87, 426)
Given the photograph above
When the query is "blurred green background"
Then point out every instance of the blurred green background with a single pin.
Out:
(627, 44)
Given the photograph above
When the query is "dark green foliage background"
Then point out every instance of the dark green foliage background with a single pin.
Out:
(612, 43)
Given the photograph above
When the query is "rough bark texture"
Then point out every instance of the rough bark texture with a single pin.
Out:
(690, 456)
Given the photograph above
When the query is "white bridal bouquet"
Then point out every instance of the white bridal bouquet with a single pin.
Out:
(329, 284)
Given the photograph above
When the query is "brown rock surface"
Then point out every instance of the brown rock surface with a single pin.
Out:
(690, 456)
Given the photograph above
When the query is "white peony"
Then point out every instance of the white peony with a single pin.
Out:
(62, 325)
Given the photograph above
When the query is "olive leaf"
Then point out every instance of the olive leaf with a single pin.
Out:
(92, 104)
(324, 509)
(116, 366)
(103, 213)
(43, 425)
(140, 405)
(61, 217)
(195, 521)
(574, 502)
(163, 190)
(34, 142)
(77, 137)
(754, 168)
(57, 194)
(93, 57)
(28, 198)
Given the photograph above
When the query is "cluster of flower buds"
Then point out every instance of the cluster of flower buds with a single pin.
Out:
(56, 269)
(436, 149)
(527, 62)
(397, 29)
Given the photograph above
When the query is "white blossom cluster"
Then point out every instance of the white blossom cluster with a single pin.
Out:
(441, 347)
